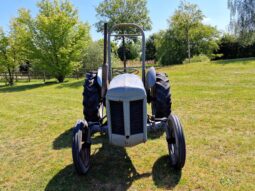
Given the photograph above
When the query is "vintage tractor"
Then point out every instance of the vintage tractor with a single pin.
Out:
(125, 98)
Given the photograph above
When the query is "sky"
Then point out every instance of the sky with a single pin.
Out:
(215, 11)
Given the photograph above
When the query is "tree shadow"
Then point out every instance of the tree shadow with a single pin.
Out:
(234, 61)
(76, 84)
(111, 169)
(25, 87)
(164, 176)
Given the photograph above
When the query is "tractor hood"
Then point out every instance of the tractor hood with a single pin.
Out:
(126, 86)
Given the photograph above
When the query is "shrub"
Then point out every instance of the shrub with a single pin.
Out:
(197, 58)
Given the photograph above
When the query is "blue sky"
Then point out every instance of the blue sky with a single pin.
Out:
(216, 12)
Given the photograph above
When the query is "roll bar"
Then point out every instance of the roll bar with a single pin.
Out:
(126, 25)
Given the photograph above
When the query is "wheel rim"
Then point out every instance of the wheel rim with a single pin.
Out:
(173, 148)
(85, 155)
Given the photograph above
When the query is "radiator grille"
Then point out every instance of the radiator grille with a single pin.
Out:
(117, 117)
(136, 117)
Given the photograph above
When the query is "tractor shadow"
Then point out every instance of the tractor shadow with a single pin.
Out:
(163, 175)
(111, 169)
(64, 140)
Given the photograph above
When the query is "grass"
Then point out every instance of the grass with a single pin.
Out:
(215, 102)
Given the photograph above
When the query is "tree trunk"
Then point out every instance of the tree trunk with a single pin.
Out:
(60, 78)
(28, 75)
(124, 54)
(10, 79)
(188, 45)
(44, 77)
(16, 77)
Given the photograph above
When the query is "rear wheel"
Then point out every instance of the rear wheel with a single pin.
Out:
(176, 142)
(91, 98)
(81, 147)
(161, 98)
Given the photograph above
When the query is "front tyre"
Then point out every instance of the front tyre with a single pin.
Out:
(81, 147)
(176, 142)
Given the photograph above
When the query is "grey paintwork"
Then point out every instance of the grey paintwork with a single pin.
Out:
(126, 25)
(150, 78)
(126, 88)
(99, 76)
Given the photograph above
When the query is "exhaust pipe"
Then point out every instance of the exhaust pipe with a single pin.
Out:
(105, 68)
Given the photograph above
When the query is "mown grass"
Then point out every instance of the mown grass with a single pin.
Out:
(215, 102)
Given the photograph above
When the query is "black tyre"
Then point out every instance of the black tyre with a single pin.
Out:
(176, 142)
(81, 147)
(91, 98)
(161, 101)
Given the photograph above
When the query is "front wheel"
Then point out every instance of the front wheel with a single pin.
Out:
(176, 142)
(81, 147)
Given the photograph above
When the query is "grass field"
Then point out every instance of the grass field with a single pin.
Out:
(215, 102)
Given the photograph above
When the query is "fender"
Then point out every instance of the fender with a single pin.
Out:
(99, 76)
(150, 79)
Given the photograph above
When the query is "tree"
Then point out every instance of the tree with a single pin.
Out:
(94, 56)
(151, 48)
(243, 19)
(186, 36)
(186, 18)
(170, 48)
(131, 51)
(123, 11)
(11, 51)
(58, 39)
(230, 47)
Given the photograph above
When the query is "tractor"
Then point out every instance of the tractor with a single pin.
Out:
(125, 98)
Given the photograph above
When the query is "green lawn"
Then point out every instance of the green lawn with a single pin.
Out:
(215, 102)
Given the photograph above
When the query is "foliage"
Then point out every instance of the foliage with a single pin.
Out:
(170, 49)
(231, 47)
(123, 11)
(185, 19)
(186, 36)
(11, 51)
(94, 55)
(151, 48)
(58, 39)
(197, 58)
(243, 19)
(131, 50)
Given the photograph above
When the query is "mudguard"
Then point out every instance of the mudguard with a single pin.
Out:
(150, 79)
(99, 76)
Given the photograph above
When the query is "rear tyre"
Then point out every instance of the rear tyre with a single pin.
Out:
(81, 147)
(161, 99)
(91, 98)
(176, 142)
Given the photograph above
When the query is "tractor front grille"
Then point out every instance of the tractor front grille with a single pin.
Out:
(136, 117)
(117, 117)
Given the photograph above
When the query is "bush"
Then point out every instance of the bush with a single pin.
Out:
(197, 58)
(231, 48)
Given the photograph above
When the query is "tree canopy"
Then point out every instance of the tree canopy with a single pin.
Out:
(123, 11)
(243, 19)
(58, 39)
(186, 36)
